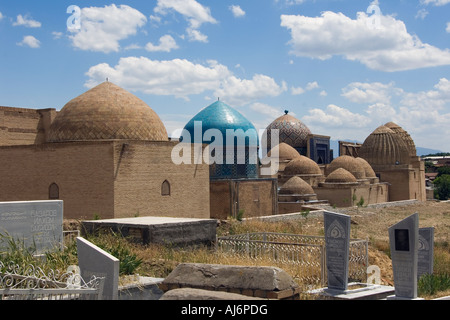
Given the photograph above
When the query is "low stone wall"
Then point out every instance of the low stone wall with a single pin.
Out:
(259, 282)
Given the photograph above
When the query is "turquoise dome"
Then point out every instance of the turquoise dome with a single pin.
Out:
(221, 118)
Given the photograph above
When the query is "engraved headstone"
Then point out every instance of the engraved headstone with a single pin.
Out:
(94, 261)
(426, 252)
(36, 224)
(404, 243)
(337, 244)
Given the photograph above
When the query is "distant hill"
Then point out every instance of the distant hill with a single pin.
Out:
(334, 144)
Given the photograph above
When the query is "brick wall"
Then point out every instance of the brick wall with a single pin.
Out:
(141, 168)
(20, 126)
(82, 171)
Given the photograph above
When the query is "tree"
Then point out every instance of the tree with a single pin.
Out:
(442, 187)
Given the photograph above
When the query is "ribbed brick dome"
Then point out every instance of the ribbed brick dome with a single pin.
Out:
(405, 137)
(385, 147)
(107, 112)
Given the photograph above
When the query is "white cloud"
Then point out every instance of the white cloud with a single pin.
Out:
(335, 116)
(166, 44)
(242, 91)
(180, 78)
(26, 22)
(57, 35)
(30, 41)
(299, 90)
(448, 27)
(237, 11)
(265, 109)
(1, 16)
(435, 2)
(375, 92)
(195, 13)
(103, 27)
(389, 48)
(183, 78)
(421, 14)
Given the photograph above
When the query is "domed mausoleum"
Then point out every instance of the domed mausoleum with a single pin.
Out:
(232, 150)
(391, 152)
(235, 141)
(296, 134)
(106, 154)
(107, 112)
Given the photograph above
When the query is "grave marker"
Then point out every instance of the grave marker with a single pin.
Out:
(337, 245)
(426, 252)
(38, 224)
(404, 242)
(94, 261)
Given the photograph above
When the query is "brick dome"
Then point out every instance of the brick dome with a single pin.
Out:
(351, 164)
(367, 168)
(285, 152)
(340, 175)
(302, 165)
(404, 135)
(385, 147)
(296, 185)
(107, 112)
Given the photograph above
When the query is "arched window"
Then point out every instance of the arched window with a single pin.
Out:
(53, 192)
(165, 188)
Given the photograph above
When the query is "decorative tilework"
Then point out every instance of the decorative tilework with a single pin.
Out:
(292, 131)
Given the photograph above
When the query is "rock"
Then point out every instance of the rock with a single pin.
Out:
(187, 294)
(264, 282)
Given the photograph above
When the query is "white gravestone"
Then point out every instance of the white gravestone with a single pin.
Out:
(337, 245)
(404, 243)
(93, 261)
(36, 224)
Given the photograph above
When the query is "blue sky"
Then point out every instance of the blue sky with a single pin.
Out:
(342, 69)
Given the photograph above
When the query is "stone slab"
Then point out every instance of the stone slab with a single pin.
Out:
(365, 292)
(36, 224)
(162, 230)
(189, 294)
(248, 280)
(94, 261)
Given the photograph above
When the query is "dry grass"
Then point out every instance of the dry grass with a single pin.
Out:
(367, 223)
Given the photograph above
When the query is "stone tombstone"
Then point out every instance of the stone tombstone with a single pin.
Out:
(404, 242)
(425, 251)
(93, 261)
(337, 246)
(36, 224)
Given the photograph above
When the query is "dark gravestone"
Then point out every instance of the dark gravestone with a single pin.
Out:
(337, 244)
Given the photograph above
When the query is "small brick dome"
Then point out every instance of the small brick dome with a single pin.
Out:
(107, 112)
(285, 152)
(340, 175)
(355, 167)
(296, 185)
(302, 165)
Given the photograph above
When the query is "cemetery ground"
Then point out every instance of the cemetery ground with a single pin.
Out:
(367, 223)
